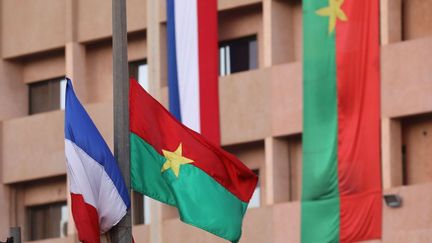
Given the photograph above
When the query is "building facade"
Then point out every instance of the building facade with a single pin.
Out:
(260, 88)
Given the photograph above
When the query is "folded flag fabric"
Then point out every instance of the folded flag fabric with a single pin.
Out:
(341, 190)
(99, 195)
(175, 165)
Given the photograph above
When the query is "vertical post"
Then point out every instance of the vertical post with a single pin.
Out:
(122, 232)
(15, 232)
(153, 60)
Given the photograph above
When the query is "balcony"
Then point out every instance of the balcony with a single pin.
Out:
(254, 105)
(33, 146)
(406, 83)
(261, 103)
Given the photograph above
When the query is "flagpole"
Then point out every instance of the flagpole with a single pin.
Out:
(153, 60)
(122, 232)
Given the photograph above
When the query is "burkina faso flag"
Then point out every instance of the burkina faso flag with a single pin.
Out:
(175, 165)
(341, 193)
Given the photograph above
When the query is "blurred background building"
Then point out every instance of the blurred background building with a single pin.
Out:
(260, 84)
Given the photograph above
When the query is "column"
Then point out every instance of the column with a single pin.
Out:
(278, 36)
(153, 60)
(276, 181)
(391, 149)
(391, 21)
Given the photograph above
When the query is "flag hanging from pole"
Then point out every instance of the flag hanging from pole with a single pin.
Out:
(98, 193)
(341, 190)
(193, 65)
(175, 165)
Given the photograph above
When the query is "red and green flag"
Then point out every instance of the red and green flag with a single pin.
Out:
(341, 193)
(175, 165)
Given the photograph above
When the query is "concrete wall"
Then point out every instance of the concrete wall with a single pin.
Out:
(33, 146)
(99, 72)
(244, 106)
(99, 85)
(94, 25)
(24, 26)
(406, 78)
(286, 99)
(12, 91)
(417, 20)
(411, 222)
(4, 199)
(41, 67)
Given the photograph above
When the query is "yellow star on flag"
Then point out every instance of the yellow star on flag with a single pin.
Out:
(174, 160)
(334, 12)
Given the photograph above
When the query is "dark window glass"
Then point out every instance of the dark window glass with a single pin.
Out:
(138, 208)
(404, 166)
(238, 55)
(46, 95)
(141, 209)
(139, 71)
(47, 221)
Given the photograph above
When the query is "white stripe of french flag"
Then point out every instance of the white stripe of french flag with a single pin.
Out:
(99, 195)
(193, 65)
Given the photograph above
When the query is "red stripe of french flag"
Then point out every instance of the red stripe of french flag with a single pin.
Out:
(208, 69)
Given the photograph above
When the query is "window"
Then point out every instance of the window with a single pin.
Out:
(238, 55)
(141, 209)
(255, 200)
(46, 95)
(416, 149)
(47, 221)
(139, 71)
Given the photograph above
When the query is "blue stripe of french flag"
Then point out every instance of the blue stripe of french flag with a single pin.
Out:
(193, 65)
(99, 194)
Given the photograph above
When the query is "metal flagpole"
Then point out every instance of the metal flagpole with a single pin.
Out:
(122, 232)
(153, 60)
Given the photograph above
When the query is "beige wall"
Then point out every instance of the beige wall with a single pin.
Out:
(4, 200)
(94, 25)
(251, 154)
(417, 19)
(99, 86)
(99, 72)
(411, 222)
(33, 146)
(282, 27)
(12, 91)
(41, 67)
(244, 106)
(391, 152)
(406, 78)
(24, 26)
(286, 99)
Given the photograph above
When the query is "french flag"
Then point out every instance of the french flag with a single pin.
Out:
(193, 65)
(99, 195)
